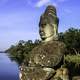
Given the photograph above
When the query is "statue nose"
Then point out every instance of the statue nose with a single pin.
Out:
(41, 29)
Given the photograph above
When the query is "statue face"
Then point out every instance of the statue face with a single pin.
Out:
(46, 31)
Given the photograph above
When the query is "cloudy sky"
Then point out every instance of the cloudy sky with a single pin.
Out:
(19, 18)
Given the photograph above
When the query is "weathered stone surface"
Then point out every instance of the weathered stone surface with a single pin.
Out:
(36, 73)
(47, 55)
(42, 61)
(39, 73)
(62, 74)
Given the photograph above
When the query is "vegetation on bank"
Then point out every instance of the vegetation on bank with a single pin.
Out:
(19, 51)
(70, 37)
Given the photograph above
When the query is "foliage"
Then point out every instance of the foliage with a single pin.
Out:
(71, 38)
(19, 51)
(73, 58)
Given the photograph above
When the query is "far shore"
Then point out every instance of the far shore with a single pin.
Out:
(2, 51)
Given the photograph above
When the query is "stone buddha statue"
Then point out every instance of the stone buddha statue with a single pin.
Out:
(45, 58)
(48, 25)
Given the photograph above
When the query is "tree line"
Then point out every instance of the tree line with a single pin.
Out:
(21, 50)
(70, 37)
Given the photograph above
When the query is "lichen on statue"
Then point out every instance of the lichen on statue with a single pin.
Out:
(45, 57)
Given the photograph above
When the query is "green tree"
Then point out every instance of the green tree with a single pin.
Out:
(71, 38)
(21, 50)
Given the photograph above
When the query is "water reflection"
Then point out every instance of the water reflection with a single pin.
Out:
(8, 69)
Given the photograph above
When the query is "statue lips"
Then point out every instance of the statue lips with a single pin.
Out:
(42, 33)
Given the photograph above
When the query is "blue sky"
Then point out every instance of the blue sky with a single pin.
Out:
(19, 18)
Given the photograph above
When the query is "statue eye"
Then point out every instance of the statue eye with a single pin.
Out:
(43, 25)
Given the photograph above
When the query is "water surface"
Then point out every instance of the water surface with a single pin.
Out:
(8, 69)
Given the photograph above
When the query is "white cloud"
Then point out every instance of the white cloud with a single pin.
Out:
(41, 3)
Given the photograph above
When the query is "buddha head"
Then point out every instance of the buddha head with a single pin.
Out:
(48, 25)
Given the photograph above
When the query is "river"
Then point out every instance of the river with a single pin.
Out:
(8, 69)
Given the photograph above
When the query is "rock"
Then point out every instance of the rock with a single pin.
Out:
(43, 59)
(36, 73)
(62, 74)
(47, 55)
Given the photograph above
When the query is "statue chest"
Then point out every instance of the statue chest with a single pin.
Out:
(48, 55)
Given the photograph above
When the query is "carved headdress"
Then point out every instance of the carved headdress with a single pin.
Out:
(49, 16)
